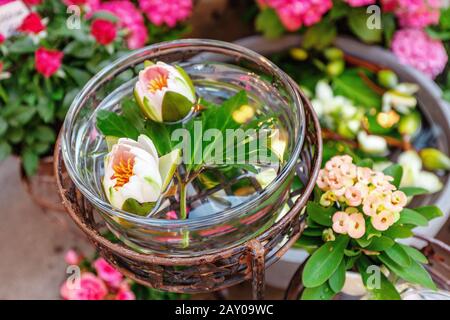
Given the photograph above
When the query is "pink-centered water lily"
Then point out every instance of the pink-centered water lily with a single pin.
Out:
(135, 173)
(165, 93)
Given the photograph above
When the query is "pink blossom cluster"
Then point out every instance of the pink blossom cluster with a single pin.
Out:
(414, 47)
(297, 13)
(108, 284)
(364, 193)
(360, 3)
(168, 12)
(414, 13)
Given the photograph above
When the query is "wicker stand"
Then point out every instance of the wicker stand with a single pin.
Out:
(211, 272)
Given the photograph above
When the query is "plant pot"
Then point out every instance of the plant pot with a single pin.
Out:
(435, 110)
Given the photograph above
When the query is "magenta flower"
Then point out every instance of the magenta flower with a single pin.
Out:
(72, 257)
(414, 13)
(130, 18)
(124, 292)
(108, 273)
(360, 3)
(168, 12)
(89, 288)
(414, 47)
(294, 13)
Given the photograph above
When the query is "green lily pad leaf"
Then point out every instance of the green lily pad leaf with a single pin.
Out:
(414, 273)
(111, 124)
(175, 106)
(324, 262)
(141, 209)
(408, 216)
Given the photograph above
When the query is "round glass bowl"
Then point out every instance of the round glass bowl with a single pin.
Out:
(218, 70)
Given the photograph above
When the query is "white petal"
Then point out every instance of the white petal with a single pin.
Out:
(324, 91)
(371, 143)
(147, 144)
(428, 181)
(410, 159)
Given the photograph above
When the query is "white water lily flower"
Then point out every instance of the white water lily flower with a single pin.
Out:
(429, 181)
(134, 171)
(164, 92)
(371, 143)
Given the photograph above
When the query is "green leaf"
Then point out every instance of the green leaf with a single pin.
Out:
(324, 262)
(133, 206)
(429, 212)
(397, 254)
(5, 150)
(132, 112)
(398, 232)
(337, 280)
(30, 162)
(380, 243)
(23, 45)
(22, 115)
(357, 21)
(444, 20)
(364, 242)
(351, 85)
(322, 292)
(414, 253)
(414, 273)
(81, 50)
(365, 163)
(161, 135)
(112, 124)
(413, 191)
(269, 24)
(46, 109)
(388, 22)
(320, 214)
(396, 172)
(319, 36)
(385, 291)
(408, 216)
(3, 126)
(175, 106)
(80, 76)
(105, 15)
(45, 134)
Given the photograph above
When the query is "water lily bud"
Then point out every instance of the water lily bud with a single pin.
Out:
(387, 78)
(410, 124)
(134, 175)
(344, 130)
(298, 54)
(165, 93)
(402, 102)
(429, 181)
(372, 144)
(333, 54)
(434, 159)
(328, 235)
(335, 68)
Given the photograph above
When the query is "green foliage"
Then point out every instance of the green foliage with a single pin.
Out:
(320, 35)
(396, 172)
(269, 24)
(357, 22)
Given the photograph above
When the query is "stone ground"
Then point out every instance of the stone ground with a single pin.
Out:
(33, 243)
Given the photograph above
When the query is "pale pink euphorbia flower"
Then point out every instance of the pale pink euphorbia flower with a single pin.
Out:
(372, 203)
(356, 225)
(396, 201)
(322, 181)
(340, 222)
(108, 273)
(383, 220)
(353, 196)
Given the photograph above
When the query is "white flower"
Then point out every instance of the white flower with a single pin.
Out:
(134, 171)
(372, 144)
(164, 92)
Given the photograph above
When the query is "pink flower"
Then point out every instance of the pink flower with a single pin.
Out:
(32, 2)
(340, 222)
(416, 48)
(2, 38)
(168, 12)
(130, 18)
(353, 196)
(89, 288)
(396, 201)
(47, 62)
(414, 13)
(348, 170)
(335, 180)
(322, 181)
(107, 272)
(72, 257)
(371, 204)
(364, 175)
(124, 292)
(383, 220)
(171, 215)
(356, 225)
(294, 13)
(104, 31)
(360, 3)
(74, 2)
(32, 24)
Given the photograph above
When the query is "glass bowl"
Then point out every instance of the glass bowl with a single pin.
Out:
(218, 69)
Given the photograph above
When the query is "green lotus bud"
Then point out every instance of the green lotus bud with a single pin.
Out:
(298, 54)
(335, 68)
(387, 78)
(328, 235)
(333, 54)
(410, 124)
(434, 159)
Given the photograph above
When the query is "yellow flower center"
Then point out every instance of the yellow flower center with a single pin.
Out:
(123, 170)
(157, 83)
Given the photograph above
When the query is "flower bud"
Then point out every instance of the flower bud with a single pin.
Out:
(328, 235)
(164, 93)
(434, 159)
(387, 78)
(333, 54)
(335, 68)
(372, 144)
(410, 124)
(298, 54)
